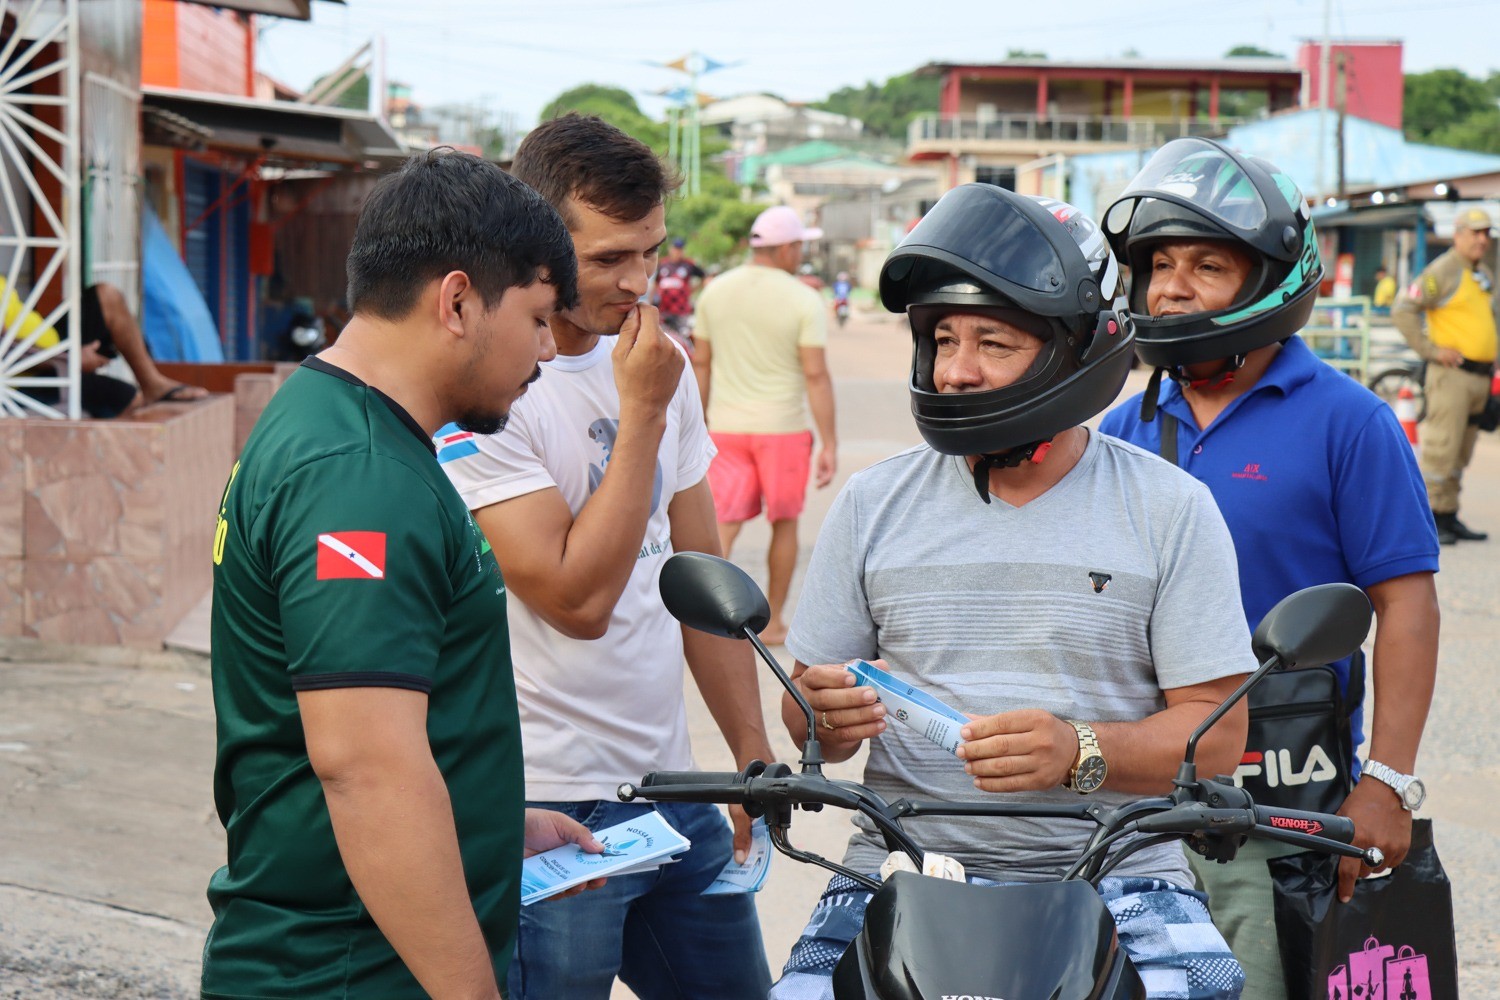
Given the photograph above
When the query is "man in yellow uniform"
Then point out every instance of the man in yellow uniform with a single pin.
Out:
(1456, 294)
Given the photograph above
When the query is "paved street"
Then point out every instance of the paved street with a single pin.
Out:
(108, 836)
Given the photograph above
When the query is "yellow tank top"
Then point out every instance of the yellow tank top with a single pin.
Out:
(1466, 322)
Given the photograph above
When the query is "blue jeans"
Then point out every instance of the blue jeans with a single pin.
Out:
(653, 930)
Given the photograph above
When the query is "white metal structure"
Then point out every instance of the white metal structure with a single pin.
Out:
(112, 187)
(42, 49)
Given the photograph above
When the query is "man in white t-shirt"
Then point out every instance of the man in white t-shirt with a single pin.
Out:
(596, 480)
(760, 350)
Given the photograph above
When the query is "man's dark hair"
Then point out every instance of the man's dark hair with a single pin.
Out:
(584, 157)
(449, 211)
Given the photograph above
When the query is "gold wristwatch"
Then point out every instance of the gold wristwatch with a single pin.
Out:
(1089, 769)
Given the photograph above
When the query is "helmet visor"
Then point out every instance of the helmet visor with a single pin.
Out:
(1003, 239)
(1200, 175)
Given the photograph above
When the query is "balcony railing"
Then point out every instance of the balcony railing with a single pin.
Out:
(1144, 132)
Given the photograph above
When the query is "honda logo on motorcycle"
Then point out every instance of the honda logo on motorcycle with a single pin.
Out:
(1293, 823)
(1277, 768)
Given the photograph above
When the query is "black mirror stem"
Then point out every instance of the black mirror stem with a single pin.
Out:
(812, 751)
(1188, 771)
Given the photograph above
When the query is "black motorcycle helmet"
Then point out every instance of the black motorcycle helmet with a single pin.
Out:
(1039, 264)
(1197, 189)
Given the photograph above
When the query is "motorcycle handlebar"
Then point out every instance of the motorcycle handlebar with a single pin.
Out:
(1339, 828)
(729, 793)
(657, 779)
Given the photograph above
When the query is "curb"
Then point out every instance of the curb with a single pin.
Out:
(19, 650)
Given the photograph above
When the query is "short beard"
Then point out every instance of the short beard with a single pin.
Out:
(482, 423)
(489, 423)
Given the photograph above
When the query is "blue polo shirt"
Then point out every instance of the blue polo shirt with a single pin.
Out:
(1313, 475)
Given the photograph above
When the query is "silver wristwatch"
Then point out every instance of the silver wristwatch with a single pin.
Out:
(1408, 787)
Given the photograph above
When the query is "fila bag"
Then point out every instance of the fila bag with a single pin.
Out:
(1301, 741)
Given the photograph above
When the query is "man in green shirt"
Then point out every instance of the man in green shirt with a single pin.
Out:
(369, 771)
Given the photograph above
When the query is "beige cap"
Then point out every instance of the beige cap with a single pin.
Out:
(1476, 219)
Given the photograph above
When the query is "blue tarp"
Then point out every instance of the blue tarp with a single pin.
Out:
(174, 317)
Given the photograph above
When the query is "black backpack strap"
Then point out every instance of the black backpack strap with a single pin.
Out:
(1168, 449)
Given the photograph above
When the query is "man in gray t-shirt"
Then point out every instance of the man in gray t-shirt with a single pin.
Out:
(1076, 596)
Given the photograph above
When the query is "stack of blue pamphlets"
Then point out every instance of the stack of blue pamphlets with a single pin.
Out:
(750, 876)
(637, 845)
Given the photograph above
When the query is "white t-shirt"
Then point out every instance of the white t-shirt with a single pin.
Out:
(596, 712)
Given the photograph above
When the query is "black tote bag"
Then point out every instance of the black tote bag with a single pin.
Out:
(1393, 941)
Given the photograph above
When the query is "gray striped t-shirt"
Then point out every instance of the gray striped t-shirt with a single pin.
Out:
(1088, 602)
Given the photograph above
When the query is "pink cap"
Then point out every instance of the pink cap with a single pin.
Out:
(778, 226)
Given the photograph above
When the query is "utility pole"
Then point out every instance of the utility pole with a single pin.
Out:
(1323, 68)
(1343, 104)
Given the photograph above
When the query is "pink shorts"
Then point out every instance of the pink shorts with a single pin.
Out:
(750, 467)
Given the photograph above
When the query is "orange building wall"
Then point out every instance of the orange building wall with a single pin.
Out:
(197, 48)
(159, 44)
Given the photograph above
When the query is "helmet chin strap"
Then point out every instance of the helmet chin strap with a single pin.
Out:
(1034, 453)
(1214, 382)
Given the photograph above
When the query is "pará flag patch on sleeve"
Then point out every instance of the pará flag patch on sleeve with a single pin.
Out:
(351, 555)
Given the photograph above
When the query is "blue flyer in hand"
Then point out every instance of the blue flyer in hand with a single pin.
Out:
(750, 876)
(917, 709)
(640, 844)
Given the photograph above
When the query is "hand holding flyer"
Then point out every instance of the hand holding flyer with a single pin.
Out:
(750, 876)
(636, 845)
(917, 709)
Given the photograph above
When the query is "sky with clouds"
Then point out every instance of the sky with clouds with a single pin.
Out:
(516, 55)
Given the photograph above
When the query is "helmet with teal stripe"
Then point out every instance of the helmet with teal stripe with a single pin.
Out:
(1196, 189)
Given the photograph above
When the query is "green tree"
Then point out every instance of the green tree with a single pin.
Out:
(716, 222)
(1024, 54)
(612, 104)
(716, 227)
(1440, 99)
(1255, 51)
(356, 98)
(886, 108)
(1479, 132)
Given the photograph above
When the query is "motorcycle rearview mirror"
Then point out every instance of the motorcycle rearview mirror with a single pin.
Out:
(1314, 626)
(1308, 628)
(714, 595)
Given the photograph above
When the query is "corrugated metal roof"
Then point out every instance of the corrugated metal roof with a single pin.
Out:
(1375, 156)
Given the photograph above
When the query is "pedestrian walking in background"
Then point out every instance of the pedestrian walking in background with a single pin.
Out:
(598, 479)
(676, 276)
(1448, 317)
(761, 336)
(1250, 411)
(369, 754)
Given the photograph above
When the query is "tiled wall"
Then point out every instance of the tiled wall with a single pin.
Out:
(106, 526)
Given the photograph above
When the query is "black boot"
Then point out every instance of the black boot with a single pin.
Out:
(1464, 532)
(1446, 534)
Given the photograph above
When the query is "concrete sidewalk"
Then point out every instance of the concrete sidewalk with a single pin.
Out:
(108, 834)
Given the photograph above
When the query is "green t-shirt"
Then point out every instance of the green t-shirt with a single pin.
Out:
(344, 558)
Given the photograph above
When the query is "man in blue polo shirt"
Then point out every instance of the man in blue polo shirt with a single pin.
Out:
(1310, 470)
